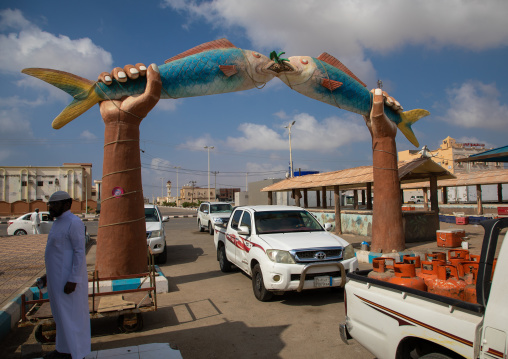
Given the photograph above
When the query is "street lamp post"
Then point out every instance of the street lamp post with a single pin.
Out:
(162, 189)
(209, 148)
(86, 194)
(177, 191)
(290, 152)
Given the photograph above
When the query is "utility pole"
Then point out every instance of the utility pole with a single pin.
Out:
(177, 191)
(215, 182)
(162, 188)
(209, 148)
(290, 152)
(246, 180)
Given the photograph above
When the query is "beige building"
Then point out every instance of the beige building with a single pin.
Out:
(190, 193)
(31, 183)
(451, 150)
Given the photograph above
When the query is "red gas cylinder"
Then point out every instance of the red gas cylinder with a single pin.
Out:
(474, 258)
(447, 283)
(441, 256)
(429, 270)
(416, 260)
(405, 275)
(457, 256)
(382, 268)
(470, 273)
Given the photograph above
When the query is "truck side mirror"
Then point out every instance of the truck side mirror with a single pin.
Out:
(243, 230)
(165, 219)
(328, 227)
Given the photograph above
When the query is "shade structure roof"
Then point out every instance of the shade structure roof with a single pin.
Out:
(416, 170)
(489, 177)
(495, 155)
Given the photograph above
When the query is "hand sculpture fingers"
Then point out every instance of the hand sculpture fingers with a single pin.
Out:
(131, 71)
(379, 125)
(105, 77)
(142, 104)
(119, 74)
(141, 68)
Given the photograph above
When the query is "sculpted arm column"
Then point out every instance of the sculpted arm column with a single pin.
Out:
(121, 238)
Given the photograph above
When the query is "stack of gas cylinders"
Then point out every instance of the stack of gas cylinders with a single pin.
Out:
(451, 274)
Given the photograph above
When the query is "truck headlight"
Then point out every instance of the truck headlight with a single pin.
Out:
(156, 234)
(348, 252)
(279, 256)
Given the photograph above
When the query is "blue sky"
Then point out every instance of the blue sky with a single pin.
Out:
(448, 57)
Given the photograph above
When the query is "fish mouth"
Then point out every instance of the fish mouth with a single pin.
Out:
(280, 67)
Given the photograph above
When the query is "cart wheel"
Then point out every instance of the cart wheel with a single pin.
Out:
(129, 323)
(45, 333)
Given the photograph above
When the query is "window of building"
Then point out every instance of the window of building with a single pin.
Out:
(40, 183)
(23, 183)
(50, 182)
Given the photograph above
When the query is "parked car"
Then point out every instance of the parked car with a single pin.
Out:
(23, 224)
(283, 249)
(212, 213)
(155, 234)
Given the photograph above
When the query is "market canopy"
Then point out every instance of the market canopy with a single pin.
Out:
(495, 155)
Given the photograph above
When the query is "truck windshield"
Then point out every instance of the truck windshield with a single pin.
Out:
(285, 221)
(221, 208)
(151, 215)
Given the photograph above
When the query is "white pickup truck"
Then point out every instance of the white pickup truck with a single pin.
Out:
(392, 321)
(283, 249)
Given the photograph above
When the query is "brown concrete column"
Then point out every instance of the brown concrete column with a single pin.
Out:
(305, 199)
(500, 193)
(338, 221)
(401, 196)
(323, 196)
(121, 236)
(444, 194)
(425, 199)
(479, 199)
(318, 199)
(270, 200)
(434, 203)
(298, 196)
(387, 229)
(369, 196)
(363, 197)
(355, 199)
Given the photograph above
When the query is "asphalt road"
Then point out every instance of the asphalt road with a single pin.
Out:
(210, 314)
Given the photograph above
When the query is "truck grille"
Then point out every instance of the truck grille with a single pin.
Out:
(317, 254)
(311, 276)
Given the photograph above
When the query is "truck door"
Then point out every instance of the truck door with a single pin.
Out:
(495, 324)
(243, 244)
(232, 236)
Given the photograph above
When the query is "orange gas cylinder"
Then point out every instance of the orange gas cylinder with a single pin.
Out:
(470, 273)
(429, 270)
(447, 283)
(405, 275)
(382, 268)
(416, 260)
(474, 258)
(435, 255)
(457, 256)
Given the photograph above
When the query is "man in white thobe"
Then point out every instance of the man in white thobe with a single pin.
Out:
(67, 280)
(36, 221)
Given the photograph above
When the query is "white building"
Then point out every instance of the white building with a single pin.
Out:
(31, 183)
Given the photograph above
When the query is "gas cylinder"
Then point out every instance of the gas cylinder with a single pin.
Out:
(435, 255)
(429, 270)
(382, 268)
(474, 258)
(405, 275)
(447, 283)
(457, 256)
(416, 260)
(470, 273)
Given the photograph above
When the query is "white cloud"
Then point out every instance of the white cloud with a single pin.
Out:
(168, 105)
(13, 124)
(87, 135)
(346, 29)
(281, 114)
(26, 45)
(475, 104)
(198, 144)
(307, 134)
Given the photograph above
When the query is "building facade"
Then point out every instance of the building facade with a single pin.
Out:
(227, 194)
(193, 194)
(32, 183)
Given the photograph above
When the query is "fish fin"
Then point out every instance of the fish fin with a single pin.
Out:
(228, 70)
(408, 118)
(331, 84)
(212, 45)
(78, 87)
(332, 61)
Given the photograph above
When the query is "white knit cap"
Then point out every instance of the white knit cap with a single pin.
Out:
(59, 196)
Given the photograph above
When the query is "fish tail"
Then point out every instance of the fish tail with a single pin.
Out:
(81, 89)
(408, 118)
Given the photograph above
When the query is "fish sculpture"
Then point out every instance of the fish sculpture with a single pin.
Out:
(211, 68)
(327, 80)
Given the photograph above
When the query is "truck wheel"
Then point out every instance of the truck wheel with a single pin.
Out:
(258, 285)
(201, 229)
(129, 323)
(225, 265)
(435, 356)
(210, 228)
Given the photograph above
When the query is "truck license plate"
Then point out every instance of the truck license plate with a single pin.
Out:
(324, 281)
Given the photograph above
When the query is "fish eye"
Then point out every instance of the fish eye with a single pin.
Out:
(256, 54)
(304, 61)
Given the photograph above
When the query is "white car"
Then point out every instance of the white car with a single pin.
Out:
(155, 234)
(212, 213)
(23, 225)
(283, 248)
